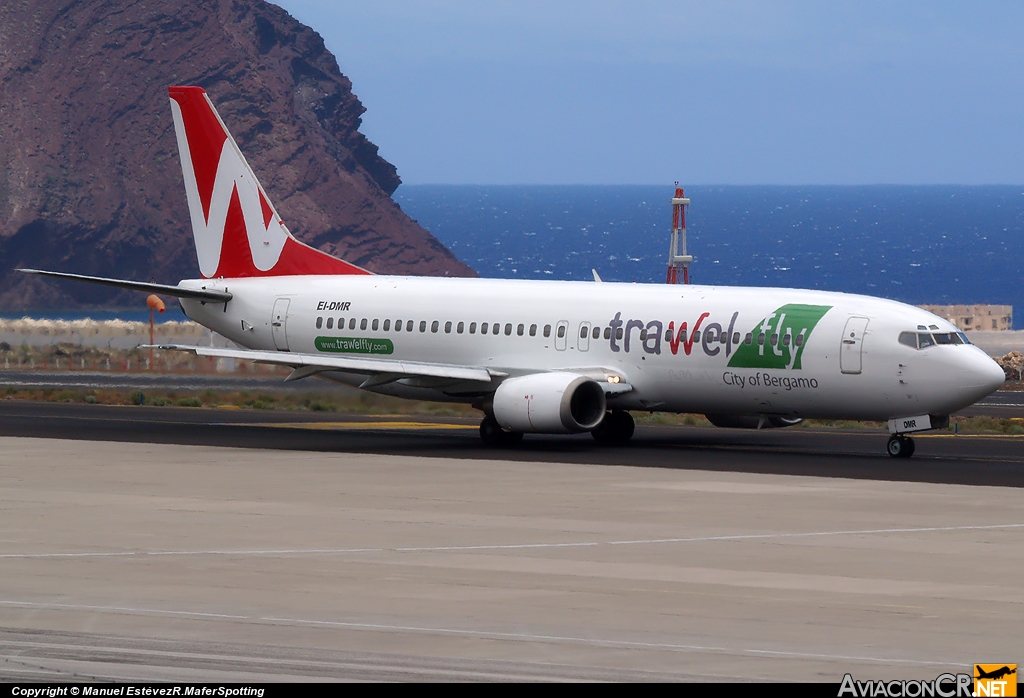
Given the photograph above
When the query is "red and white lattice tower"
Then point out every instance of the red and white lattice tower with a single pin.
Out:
(678, 258)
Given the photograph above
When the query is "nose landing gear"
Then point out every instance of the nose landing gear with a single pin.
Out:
(900, 446)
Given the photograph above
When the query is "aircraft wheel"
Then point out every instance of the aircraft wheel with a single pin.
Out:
(900, 446)
(626, 425)
(616, 428)
(490, 433)
(908, 447)
(493, 436)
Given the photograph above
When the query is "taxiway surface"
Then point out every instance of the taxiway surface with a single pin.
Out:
(142, 543)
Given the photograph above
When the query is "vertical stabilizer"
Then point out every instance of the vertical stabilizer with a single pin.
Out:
(237, 230)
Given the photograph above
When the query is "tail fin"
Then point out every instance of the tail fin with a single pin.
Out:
(237, 231)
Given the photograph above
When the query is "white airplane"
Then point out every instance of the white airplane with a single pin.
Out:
(551, 357)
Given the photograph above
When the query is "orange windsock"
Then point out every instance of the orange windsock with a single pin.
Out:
(154, 302)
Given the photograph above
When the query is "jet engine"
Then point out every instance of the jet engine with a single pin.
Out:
(549, 403)
(753, 421)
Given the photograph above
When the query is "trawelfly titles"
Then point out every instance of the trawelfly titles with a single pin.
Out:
(144, 691)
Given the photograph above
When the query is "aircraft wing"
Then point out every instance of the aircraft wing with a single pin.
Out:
(383, 370)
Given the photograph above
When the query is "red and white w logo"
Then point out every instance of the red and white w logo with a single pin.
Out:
(236, 229)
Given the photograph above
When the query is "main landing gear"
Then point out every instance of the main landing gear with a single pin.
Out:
(494, 436)
(615, 429)
(900, 446)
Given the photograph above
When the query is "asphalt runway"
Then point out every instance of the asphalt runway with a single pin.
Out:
(227, 545)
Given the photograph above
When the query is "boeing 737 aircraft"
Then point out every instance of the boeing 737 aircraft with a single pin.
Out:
(551, 356)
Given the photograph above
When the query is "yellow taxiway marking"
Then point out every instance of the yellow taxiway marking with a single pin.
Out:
(366, 425)
(967, 436)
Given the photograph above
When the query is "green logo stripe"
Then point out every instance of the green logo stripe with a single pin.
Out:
(793, 319)
(354, 345)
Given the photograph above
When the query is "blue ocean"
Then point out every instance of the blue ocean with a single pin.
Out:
(917, 244)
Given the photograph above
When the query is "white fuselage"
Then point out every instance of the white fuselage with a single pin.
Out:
(822, 355)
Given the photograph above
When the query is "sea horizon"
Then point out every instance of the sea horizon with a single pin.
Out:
(919, 244)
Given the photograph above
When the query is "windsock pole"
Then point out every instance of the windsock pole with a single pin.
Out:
(154, 303)
(678, 258)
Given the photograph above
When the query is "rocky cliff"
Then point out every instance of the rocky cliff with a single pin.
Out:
(89, 173)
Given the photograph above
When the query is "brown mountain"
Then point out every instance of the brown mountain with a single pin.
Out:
(89, 175)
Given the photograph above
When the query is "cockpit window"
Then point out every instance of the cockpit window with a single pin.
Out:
(922, 340)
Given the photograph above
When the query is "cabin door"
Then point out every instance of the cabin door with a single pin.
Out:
(279, 324)
(851, 350)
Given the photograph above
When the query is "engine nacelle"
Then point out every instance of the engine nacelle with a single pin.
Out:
(743, 421)
(549, 403)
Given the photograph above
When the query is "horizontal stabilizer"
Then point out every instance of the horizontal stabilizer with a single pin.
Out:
(345, 364)
(176, 291)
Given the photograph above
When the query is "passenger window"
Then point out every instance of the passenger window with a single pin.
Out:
(319, 322)
(448, 327)
(520, 329)
(496, 327)
(533, 330)
(508, 329)
(387, 325)
(483, 327)
(799, 341)
(774, 339)
(376, 324)
(434, 325)
(362, 324)
(785, 339)
(749, 339)
(408, 325)
(597, 333)
(696, 336)
(547, 330)
(398, 325)
(472, 328)
(735, 337)
(330, 323)
(607, 332)
(460, 327)
(924, 340)
(351, 324)
(643, 335)
(619, 333)
(681, 337)
(909, 339)
(760, 339)
(423, 325)
(723, 338)
(583, 333)
(668, 335)
(561, 331)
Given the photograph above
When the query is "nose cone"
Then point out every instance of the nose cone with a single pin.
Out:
(980, 375)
